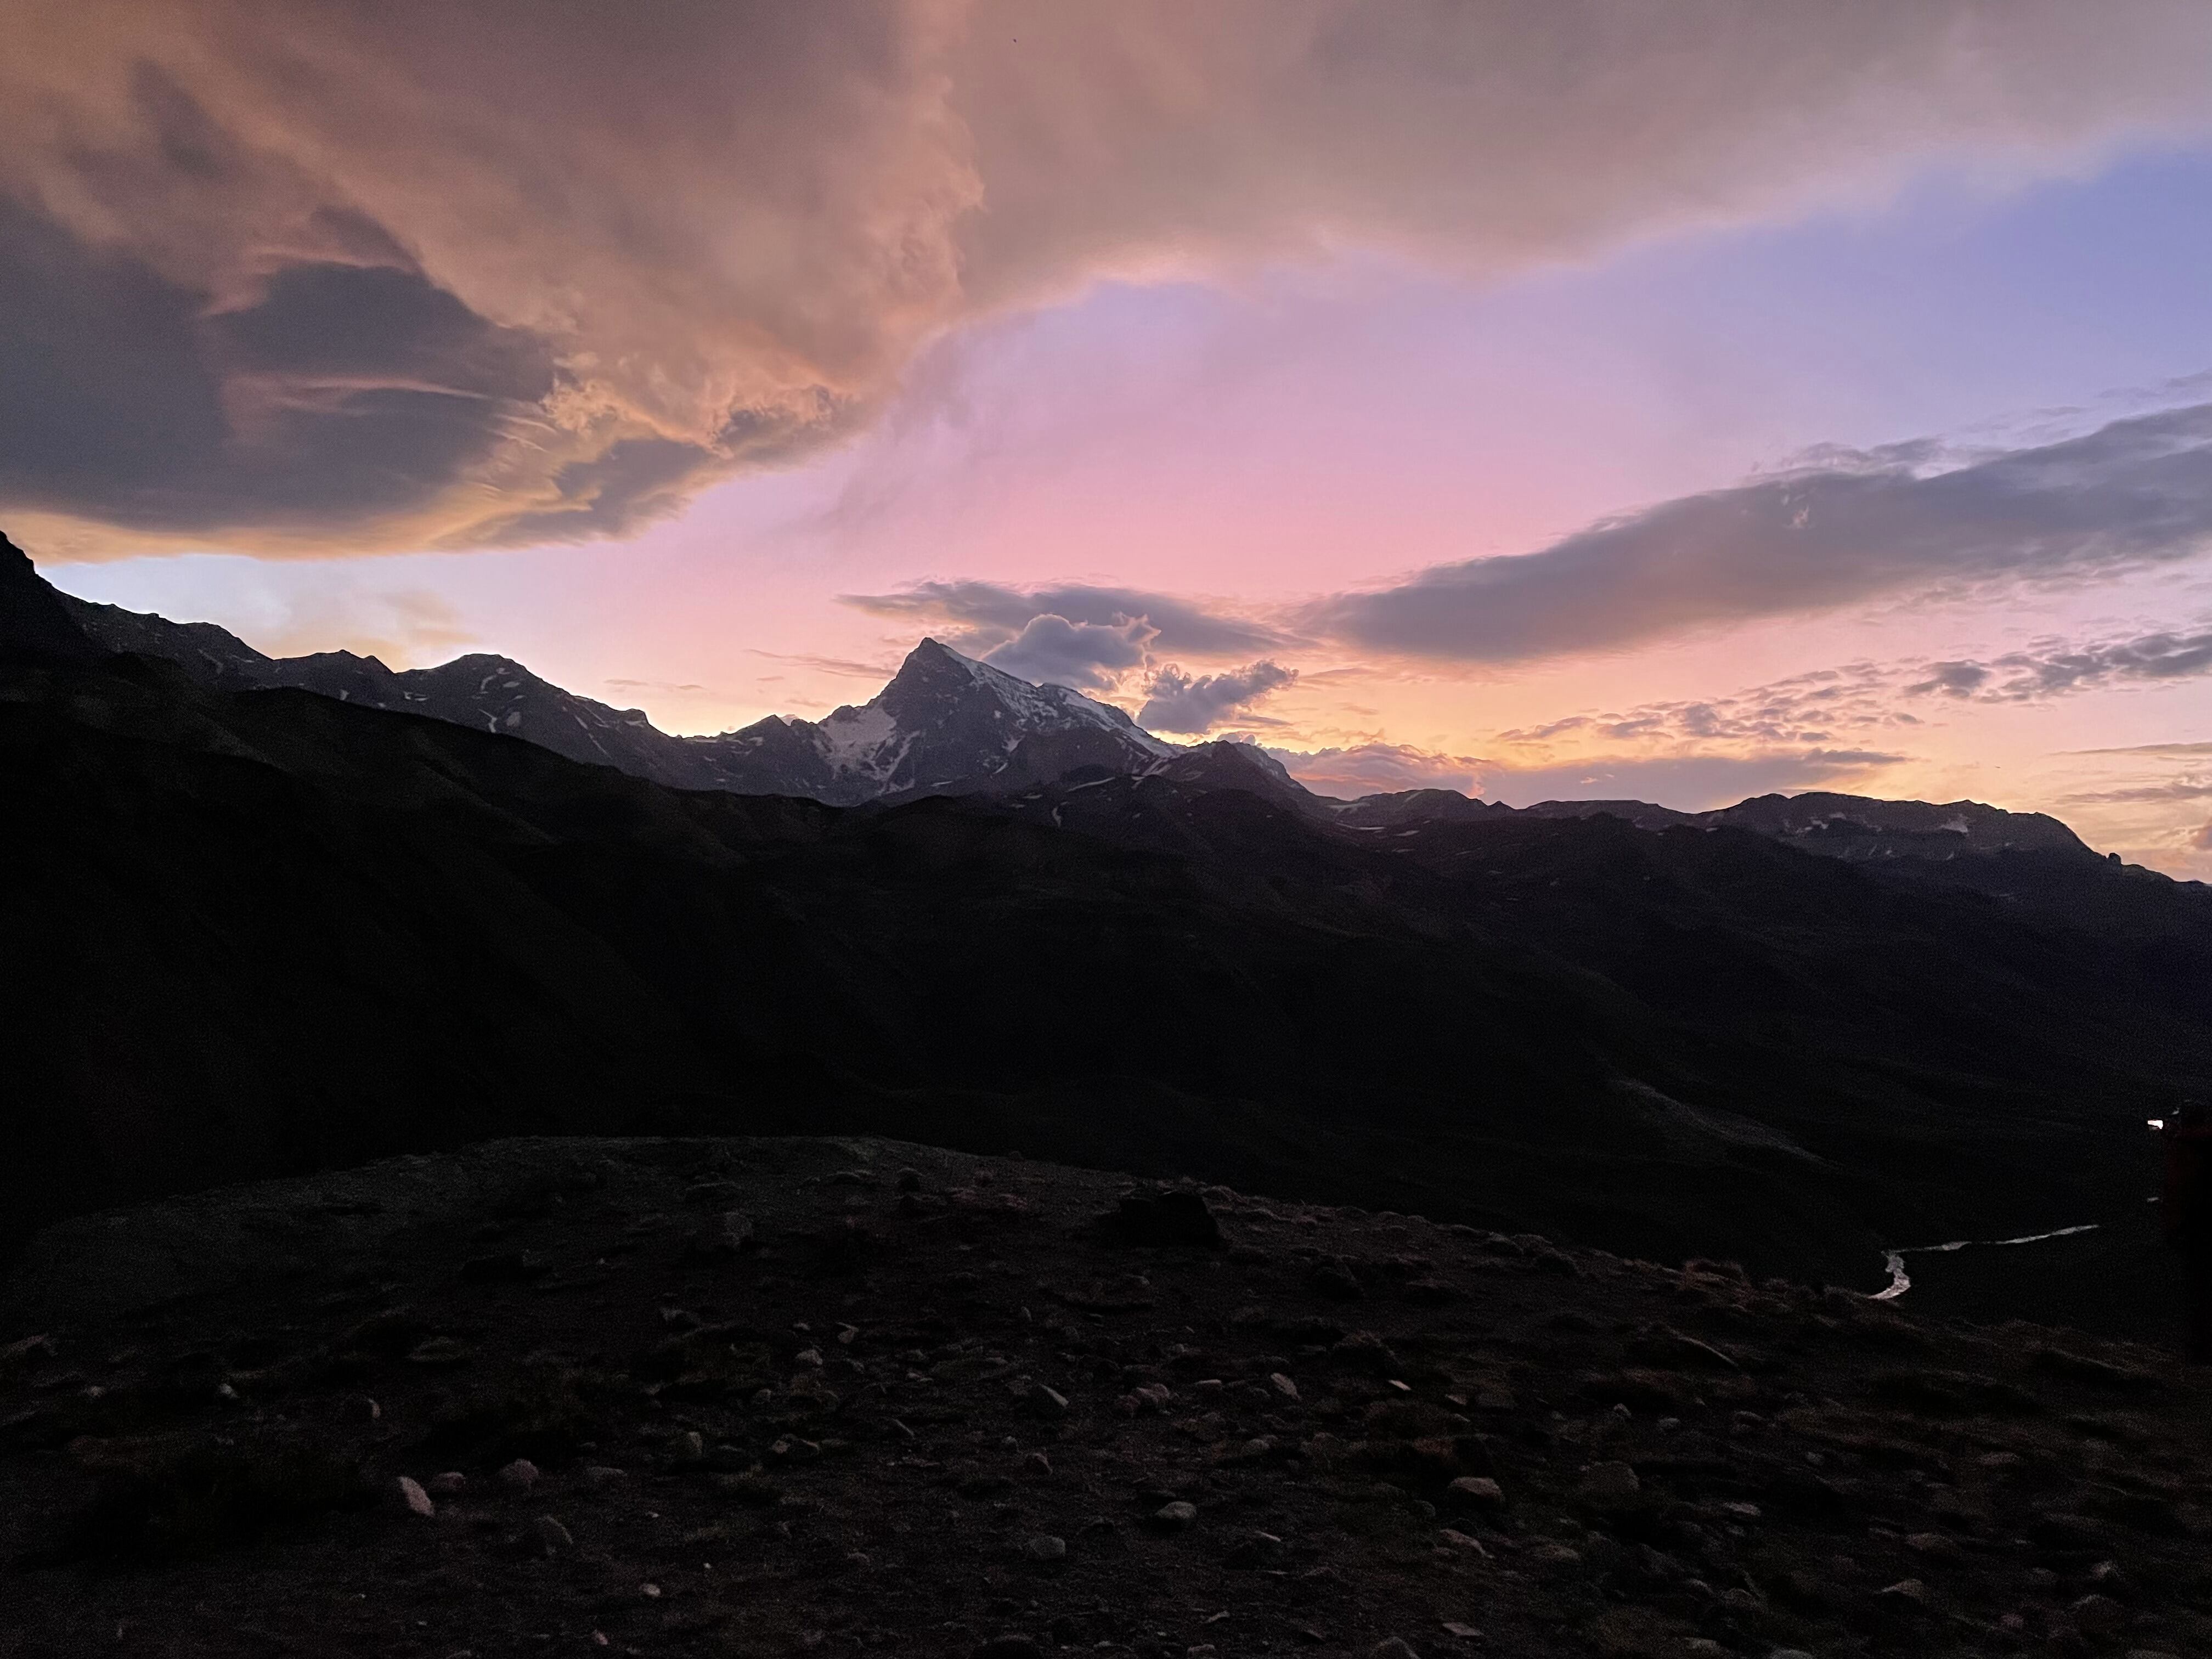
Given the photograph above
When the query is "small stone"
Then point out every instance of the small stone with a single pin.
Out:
(690, 1447)
(809, 1357)
(1907, 1589)
(2097, 1614)
(549, 1535)
(1047, 1401)
(521, 1475)
(1282, 1386)
(909, 1181)
(1175, 1517)
(725, 1235)
(1788, 1653)
(1465, 1632)
(1934, 1545)
(1045, 1548)
(1460, 1541)
(1476, 1491)
(600, 1477)
(414, 1499)
(650, 1592)
(1166, 1220)
(1392, 1647)
(450, 1484)
(1038, 1465)
(439, 1354)
(361, 1409)
(1608, 1485)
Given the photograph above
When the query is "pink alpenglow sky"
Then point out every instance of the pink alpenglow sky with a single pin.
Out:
(1588, 398)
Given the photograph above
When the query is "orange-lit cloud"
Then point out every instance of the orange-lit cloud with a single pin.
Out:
(310, 277)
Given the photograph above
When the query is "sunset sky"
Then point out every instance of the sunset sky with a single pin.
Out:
(1579, 399)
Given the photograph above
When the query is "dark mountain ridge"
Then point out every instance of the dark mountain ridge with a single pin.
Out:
(948, 725)
(264, 931)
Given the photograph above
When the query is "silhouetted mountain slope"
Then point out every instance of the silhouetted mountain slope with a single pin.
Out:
(944, 722)
(947, 725)
(35, 624)
(253, 932)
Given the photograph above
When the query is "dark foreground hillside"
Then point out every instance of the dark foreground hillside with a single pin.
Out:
(823, 1397)
(254, 933)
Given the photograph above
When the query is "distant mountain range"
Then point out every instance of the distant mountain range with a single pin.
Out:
(254, 931)
(947, 725)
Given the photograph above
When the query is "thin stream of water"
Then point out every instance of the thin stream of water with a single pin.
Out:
(1901, 1281)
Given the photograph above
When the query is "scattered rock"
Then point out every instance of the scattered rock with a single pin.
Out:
(1607, 1486)
(1047, 1401)
(439, 1354)
(507, 1267)
(726, 1235)
(521, 1475)
(1045, 1548)
(1476, 1491)
(1283, 1385)
(1333, 1280)
(550, 1536)
(2097, 1614)
(414, 1500)
(1178, 1517)
(1168, 1219)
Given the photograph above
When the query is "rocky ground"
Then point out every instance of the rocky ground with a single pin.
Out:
(811, 1397)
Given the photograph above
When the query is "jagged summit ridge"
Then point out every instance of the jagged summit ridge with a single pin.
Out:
(945, 721)
(947, 724)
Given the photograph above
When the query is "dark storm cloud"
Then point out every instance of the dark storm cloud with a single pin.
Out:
(2054, 670)
(1054, 650)
(326, 276)
(1176, 701)
(991, 611)
(338, 393)
(1861, 526)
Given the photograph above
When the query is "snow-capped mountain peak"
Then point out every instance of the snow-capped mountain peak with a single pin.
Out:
(948, 722)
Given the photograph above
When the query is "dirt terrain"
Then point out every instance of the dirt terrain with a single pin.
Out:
(794, 1396)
